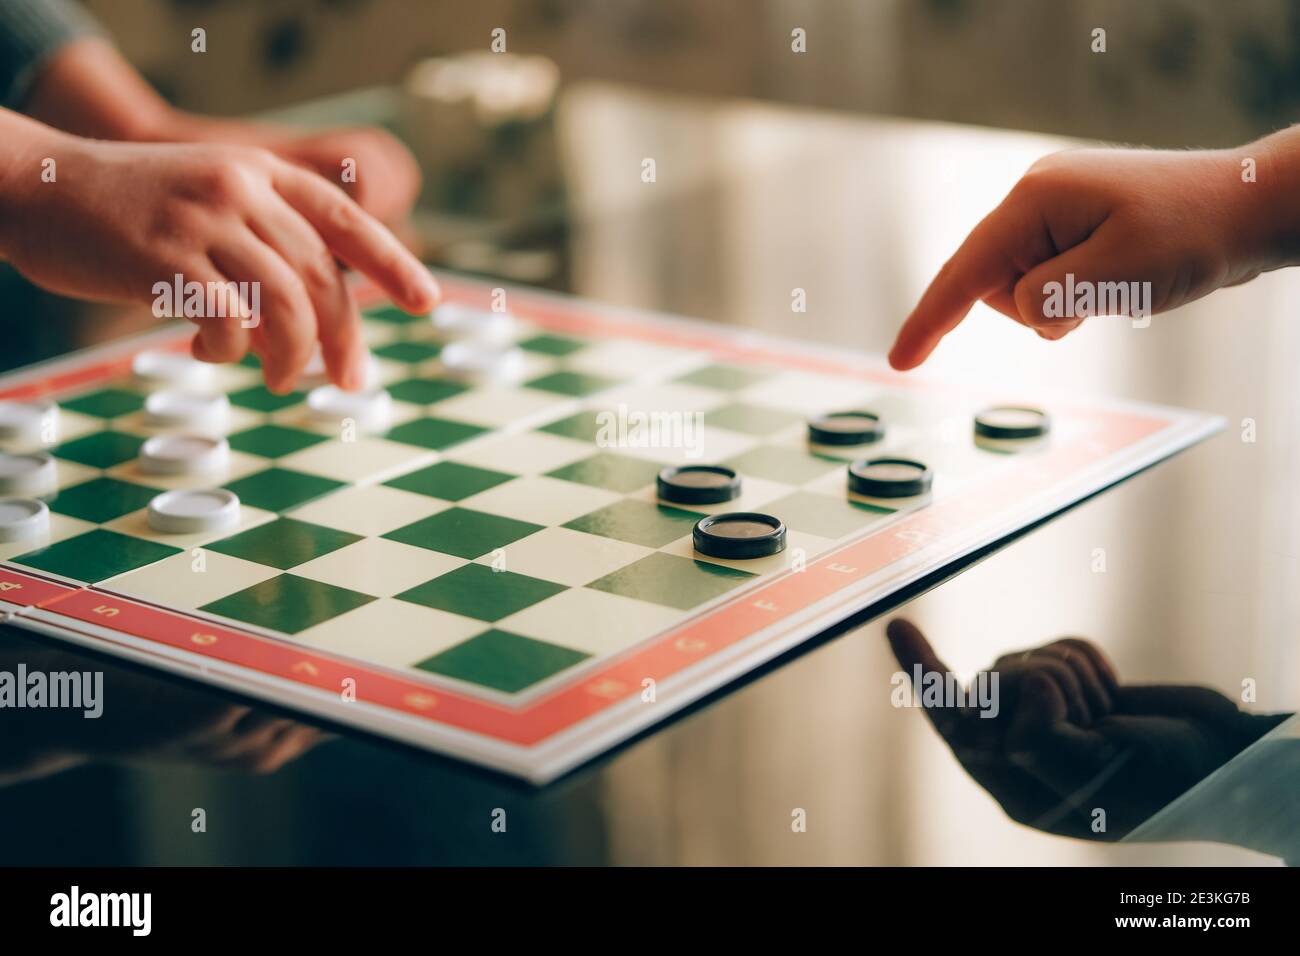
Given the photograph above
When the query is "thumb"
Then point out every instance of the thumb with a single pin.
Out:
(1099, 276)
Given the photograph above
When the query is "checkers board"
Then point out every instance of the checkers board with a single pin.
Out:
(493, 577)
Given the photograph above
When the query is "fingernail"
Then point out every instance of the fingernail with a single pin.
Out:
(426, 292)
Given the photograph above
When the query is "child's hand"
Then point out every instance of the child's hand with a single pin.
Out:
(1187, 223)
(119, 218)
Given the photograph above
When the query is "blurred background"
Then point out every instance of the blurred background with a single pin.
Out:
(851, 170)
(1175, 73)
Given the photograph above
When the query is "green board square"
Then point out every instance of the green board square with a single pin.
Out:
(394, 316)
(449, 481)
(425, 391)
(261, 399)
(284, 543)
(556, 345)
(501, 660)
(639, 522)
(620, 473)
(751, 419)
(435, 433)
(106, 403)
(583, 426)
(824, 515)
(462, 532)
(102, 499)
(477, 591)
(672, 581)
(287, 603)
(787, 465)
(96, 555)
(279, 489)
(100, 449)
(572, 383)
(728, 378)
(250, 360)
(274, 441)
(409, 352)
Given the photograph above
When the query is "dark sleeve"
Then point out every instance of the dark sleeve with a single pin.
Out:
(31, 31)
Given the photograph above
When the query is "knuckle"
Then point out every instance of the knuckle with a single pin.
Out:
(1060, 159)
(259, 156)
(179, 220)
(224, 183)
(319, 272)
(285, 299)
(1035, 184)
(1043, 165)
(344, 214)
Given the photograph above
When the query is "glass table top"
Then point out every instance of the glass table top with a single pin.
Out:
(750, 202)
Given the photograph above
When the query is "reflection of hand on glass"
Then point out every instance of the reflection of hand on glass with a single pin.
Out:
(1069, 739)
(145, 719)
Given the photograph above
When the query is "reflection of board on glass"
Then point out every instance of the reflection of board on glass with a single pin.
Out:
(499, 556)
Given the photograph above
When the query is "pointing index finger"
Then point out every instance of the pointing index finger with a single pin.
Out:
(978, 268)
(912, 651)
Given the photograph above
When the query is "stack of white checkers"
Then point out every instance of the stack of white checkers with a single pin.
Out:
(192, 418)
(24, 477)
(28, 424)
(479, 344)
(26, 473)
